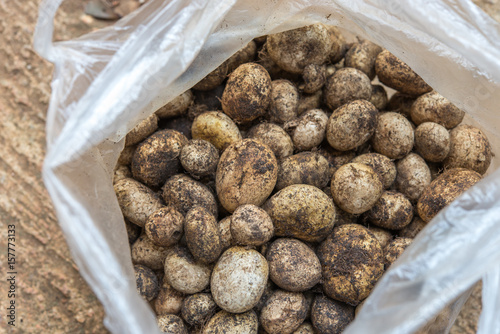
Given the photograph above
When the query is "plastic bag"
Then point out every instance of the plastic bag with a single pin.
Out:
(107, 81)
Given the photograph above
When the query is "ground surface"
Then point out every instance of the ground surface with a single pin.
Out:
(51, 297)
(50, 293)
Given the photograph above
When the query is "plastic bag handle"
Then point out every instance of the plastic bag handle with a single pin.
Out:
(44, 29)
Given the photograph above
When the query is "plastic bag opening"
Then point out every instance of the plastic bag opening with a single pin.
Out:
(106, 82)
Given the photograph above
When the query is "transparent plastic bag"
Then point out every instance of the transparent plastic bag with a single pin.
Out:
(107, 81)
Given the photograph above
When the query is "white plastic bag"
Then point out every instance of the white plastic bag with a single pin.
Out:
(107, 81)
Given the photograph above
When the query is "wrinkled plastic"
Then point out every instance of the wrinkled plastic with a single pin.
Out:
(107, 81)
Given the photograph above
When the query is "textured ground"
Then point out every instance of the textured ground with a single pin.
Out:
(49, 290)
(50, 293)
